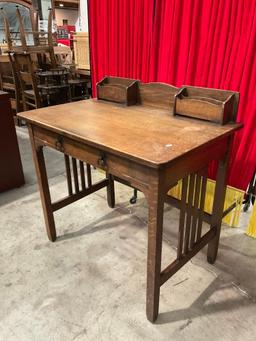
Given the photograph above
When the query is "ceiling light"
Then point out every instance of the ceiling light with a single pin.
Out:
(61, 5)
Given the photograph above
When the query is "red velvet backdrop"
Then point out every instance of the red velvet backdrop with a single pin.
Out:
(208, 43)
(120, 38)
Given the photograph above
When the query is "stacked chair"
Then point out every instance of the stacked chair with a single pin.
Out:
(37, 76)
(9, 82)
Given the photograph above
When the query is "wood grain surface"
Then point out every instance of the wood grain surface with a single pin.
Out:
(149, 135)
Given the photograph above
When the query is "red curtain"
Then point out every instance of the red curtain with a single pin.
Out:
(209, 43)
(120, 38)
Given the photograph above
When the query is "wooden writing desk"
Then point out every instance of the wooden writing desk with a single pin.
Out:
(149, 149)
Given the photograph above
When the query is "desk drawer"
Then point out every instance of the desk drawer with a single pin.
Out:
(66, 145)
(136, 174)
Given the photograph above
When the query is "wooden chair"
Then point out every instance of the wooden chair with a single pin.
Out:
(53, 85)
(79, 87)
(27, 78)
(64, 56)
(3, 48)
(43, 41)
(9, 82)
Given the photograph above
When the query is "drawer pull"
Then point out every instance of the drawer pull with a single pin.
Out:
(102, 162)
(59, 144)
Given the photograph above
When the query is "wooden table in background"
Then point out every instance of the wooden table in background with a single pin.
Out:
(148, 149)
(83, 72)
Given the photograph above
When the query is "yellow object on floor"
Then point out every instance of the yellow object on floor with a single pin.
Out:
(233, 195)
(251, 229)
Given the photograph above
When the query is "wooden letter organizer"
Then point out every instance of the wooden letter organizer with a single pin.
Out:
(214, 105)
(120, 90)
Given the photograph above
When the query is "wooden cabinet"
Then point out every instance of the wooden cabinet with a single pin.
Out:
(11, 173)
(81, 50)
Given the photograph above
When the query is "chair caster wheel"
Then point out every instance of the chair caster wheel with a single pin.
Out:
(246, 207)
(133, 200)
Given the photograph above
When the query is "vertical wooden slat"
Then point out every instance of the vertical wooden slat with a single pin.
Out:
(182, 216)
(201, 208)
(81, 164)
(75, 174)
(189, 211)
(195, 210)
(89, 175)
(68, 172)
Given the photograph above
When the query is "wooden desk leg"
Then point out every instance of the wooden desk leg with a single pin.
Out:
(111, 191)
(218, 205)
(38, 156)
(155, 231)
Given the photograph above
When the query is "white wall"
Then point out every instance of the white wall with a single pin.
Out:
(82, 22)
(69, 14)
(45, 4)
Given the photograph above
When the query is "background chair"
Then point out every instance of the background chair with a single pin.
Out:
(27, 79)
(43, 41)
(9, 82)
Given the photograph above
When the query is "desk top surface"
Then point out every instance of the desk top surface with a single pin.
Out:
(151, 136)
